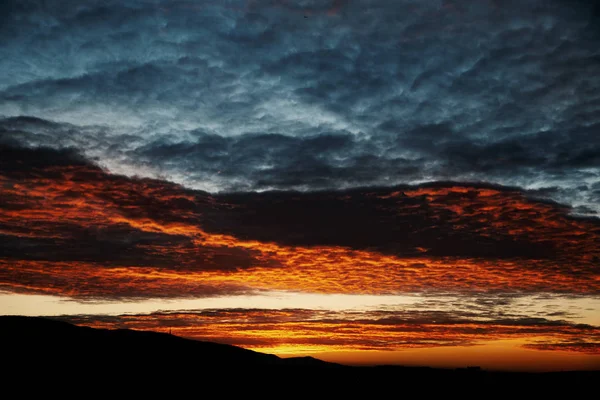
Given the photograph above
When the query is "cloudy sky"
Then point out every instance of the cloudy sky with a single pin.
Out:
(411, 182)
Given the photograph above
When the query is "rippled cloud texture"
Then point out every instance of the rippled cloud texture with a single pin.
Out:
(68, 227)
(263, 94)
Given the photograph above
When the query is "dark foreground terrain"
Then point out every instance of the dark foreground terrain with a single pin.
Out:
(35, 347)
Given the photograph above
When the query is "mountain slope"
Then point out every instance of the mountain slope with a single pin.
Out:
(51, 342)
(35, 348)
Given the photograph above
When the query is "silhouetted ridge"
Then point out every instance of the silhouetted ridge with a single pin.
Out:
(41, 346)
(51, 341)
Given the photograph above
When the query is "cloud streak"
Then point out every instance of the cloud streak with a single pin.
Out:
(313, 330)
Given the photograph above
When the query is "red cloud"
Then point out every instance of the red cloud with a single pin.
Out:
(74, 229)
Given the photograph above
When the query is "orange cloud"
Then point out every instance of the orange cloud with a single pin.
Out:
(76, 230)
(297, 331)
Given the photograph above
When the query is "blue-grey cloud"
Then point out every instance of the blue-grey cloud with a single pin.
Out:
(263, 94)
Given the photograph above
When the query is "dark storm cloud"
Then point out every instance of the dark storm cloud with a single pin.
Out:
(238, 95)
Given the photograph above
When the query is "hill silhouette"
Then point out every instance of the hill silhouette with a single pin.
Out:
(50, 341)
(43, 345)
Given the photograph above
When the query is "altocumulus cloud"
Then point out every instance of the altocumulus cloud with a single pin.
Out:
(357, 330)
(67, 227)
(251, 95)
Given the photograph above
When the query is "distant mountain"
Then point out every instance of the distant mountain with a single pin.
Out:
(34, 347)
(52, 342)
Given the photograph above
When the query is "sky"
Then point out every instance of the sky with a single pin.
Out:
(367, 182)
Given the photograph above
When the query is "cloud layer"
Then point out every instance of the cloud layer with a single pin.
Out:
(311, 330)
(70, 228)
(245, 95)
